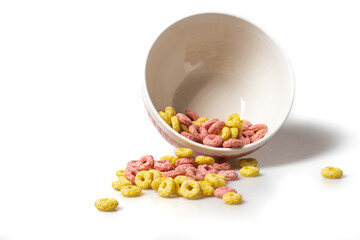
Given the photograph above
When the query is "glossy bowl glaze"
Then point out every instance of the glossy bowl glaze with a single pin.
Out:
(216, 65)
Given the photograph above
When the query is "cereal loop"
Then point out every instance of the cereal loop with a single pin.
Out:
(156, 183)
(192, 115)
(182, 161)
(184, 152)
(191, 173)
(234, 124)
(221, 191)
(331, 172)
(199, 160)
(206, 188)
(175, 123)
(120, 173)
(131, 191)
(198, 132)
(172, 173)
(213, 140)
(216, 127)
(145, 163)
(165, 117)
(215, 180)
(189, 136)
(106, 204)
(243, 162)
(155, 173)
(225, 133)
(171, 159)
(178, 182)
(130, 174)
(184, 119)
(249, 171)
(222, 165)
(234, 132)
(190, 189)
(200, 121)
(207, 124)
(167, 187)
(205, 169)
(163, 165)
(232, 143)
(170, 111)
(118, 185)
(258, 135)
(232, 198)
(184, 128)
(230, 175)
(234, 117)
(143, 179)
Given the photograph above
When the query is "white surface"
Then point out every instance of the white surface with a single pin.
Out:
(70, 74)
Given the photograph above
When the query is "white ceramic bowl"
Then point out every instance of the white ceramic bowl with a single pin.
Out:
(216, 65)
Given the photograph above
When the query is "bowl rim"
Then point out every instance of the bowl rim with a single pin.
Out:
(222, 151)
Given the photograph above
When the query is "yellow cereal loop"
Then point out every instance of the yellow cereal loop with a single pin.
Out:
(175, 123)
(143, 179)
(234, 124)
(178, 182)
(106, 204)
(248, 162)
(170, 111)
(234, 132)
(184, 152)
(234, 117)
(131, 191)
(183, 127)
(156, 183)
(200, 120)
(119, 184)
(155, 173)
(190, 189)
(225, 133)
(171, 159)
(199, 160)
(167, 187)
(165, 117)
(206, 188)
(331, 172)
(232, 198)
(215, 180)
(249, 171)
(120, 173)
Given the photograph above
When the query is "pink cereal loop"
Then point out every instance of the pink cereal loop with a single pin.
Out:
(223, 165)
(198, 131)
(248, 133)
(192, 115)
(229, 174)
(163, 165)
(184, 119)
(213, 140)
(245, 140)
(199, 176)
(145, 163)
(189, 136)
(183, 167)
(172, 173)
(190, 173)
(258, 135)
(182, 161)
(232, 143)
(205, 169)
(247, 125)
(215, 128)
(221, 191)
(207, 124)
(257, 127)
(132, 164)
(130, 174)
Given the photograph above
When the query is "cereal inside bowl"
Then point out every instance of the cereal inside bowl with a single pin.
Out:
(217, 65)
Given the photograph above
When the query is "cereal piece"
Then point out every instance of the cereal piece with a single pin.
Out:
(178, 181)
(258, 135)
(215, 180)
(184, 128)
(235, 124)
(247, 125)
(131, 191)
(170, 111)
(213, 140)
(216, 127)
(331, 172)
(130, 174)
(183, 167)
(155, 173)
(172, 159)
(173, 173)
(187, 160)
(198, 132)
(167, 187)
(184, 152)
(191, 173)
(222, 165)
(205, 169)
(200, 121)
(192, 115)
(229, 174)
(120, 183)
(156, 183)
(199, 160)
(189, 136)
(190, 189)
(207, 124)
(143, 179)
(132, 164)
(145, 163)
(234, 117)
(221, 191)
(232, 143)
(163, 165)
(245, 140)
(206, 188)
(175, 123)
(248, 133)
(225, 133)
(106, 204)
(120, 173)
(248, 162)
(234, 132)
(199, 176)
(257, 127)
(232, 198)
(249, 171)
(165, 117)
(184, 119)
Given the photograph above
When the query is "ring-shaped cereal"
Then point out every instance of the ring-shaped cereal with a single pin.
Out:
(257, 127)
(119, 184)
(213, 140)
(207, 124)
(222, 165)
(143, 179)
(249, 171)
(184, 128)
(200, 160)
(167, 187)
(165, 117)
(225, 133)
(234, 117)
(189, 136)
(216, 127)
(175, 123)
(247, 125)
(145, 163)
(221, 191)
(199, 176)
(331, 172)
(171, 159)
(163, 165)
(130, 174)
(205, 169)
(170, 111)
(184, 152)
(190, 189)
(198, 131)
(191, 173)
(215, 180)
(232, 198)
(155, 173)
(258, 135)
(234, 132)
(192, 115)
(244, 139)
(186, 160)
(248, 162)
(172, 173)
(120, 173)
(131, 191)
(230, 175)
(236, 124)
(232, 143)
(156, 183)
(200, 120)
(106, 204)
(178, 182)
(184, 119)
(206, 188)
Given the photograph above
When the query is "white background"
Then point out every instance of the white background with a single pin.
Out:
(71, 114)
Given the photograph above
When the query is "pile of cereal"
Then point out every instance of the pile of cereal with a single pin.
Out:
(232, 133)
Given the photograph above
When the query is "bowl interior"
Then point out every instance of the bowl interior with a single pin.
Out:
(216, 65)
